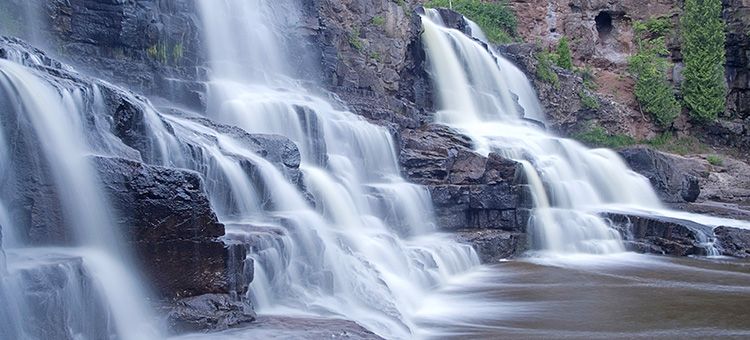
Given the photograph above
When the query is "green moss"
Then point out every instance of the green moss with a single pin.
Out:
(684, 145)
(496, 19)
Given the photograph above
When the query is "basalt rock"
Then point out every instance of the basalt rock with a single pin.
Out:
(676, 179)
(209, 312)
(733, 241)
(494, 245)
(167, 217)
(468, 190)
(661, 235)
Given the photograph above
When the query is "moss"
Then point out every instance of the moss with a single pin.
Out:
(378, 21)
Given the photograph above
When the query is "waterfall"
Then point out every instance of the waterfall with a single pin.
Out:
(476, 89)
(92, 280)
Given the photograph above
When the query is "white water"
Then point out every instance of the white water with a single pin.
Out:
(363, 246)
(54, 115)
(567, 181)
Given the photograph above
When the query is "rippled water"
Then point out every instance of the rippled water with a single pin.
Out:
(615, 297)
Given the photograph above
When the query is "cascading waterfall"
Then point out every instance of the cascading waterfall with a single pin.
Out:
(53, 113)
(569, 183)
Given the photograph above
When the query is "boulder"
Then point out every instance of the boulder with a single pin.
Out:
(208, 312)
(676, 179)
(493, 245)
(167, 217)
(733, 241)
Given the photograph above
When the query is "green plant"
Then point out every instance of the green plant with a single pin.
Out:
(596, 136)
(683, 145)
(497, 19)
(589, 102)
(587, 74)
(376, 56)
(703, 88)
(544, 69)
(564, 57)
(177, 52)
(649, 65)
(158, 52)
(378, 20)
(355, 40)
(715, 160)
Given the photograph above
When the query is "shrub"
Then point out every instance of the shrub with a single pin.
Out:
(703, 87)
(589, 102)
(378, 20)
(496, 19)
(649, 66)
(564, 57)
(596, 136)
(544, 69)
(715, 160)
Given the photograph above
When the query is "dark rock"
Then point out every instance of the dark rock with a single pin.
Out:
(661, 235)
(733, 241)
(673, 177)
(493, 245)
(209, 312)
(166, 215)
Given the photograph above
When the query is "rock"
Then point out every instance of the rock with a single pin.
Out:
(661, 235)
(493, 245)
(208, 312)
(167, 217)
(733, 241)
(676, 179)
(301, 327)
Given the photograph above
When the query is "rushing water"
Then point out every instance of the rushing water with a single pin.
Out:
(52, 116)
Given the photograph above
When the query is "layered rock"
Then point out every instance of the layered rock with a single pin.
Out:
(213, 312)
(661, 235)
(676, 179)
(733, 241)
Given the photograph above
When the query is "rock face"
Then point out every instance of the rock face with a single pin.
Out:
(733, 241)
(213, 312)
(661, 235)
(468, 190)
(675, 178)
(494, 245)
(170, 222)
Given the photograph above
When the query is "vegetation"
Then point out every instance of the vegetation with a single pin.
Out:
(355, 40)
(649, 65)
(544, 69)
(715, 160)
(564, 57)
(588, 101)
(703, 87)
(158, 52)
(496, 19)
(596, 136)
(378, 20)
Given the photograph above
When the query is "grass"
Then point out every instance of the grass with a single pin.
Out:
(354, 39)
(544, 69)
(596, 136)
(588, 101)
(378, 21)
(496, 19)
(715, 160)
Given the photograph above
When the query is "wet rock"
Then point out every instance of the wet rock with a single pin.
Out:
(676, 179)
(493, 245)
(167, 217)
(661, 235)
(733, 241)
(209, 312)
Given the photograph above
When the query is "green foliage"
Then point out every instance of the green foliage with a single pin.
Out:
(588, 101)
(354, 39)
(649, 65)
(177, 52)
(378, 20)
(703, 87)
(679, 145)
(544, 69)
(564, 57)
(596, 136)
(587, 74)
(715, 160)
(158, 52)
(376, 56)
(496, 19)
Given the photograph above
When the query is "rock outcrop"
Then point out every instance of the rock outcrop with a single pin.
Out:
(733, 241)
(676, 179)
(661, 235)
(214, 312)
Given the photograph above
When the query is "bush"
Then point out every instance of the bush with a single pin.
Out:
(715, 160)
(649, 65)
(496, 19)
(544, 69)
(564, 57)
(703, 87)
(588, 101)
